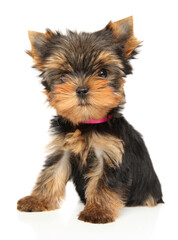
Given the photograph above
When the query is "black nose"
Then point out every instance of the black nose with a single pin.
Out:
(82, 91)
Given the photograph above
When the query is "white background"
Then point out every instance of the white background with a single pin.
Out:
(152, 98)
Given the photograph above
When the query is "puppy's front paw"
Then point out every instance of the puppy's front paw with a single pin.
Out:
(31, 204)
(96, 215)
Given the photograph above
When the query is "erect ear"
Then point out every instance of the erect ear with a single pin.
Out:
(39, 46)
(122, 31)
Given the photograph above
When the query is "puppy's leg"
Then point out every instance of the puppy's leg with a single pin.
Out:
(50, 186)
(102, 204)
(101, 207)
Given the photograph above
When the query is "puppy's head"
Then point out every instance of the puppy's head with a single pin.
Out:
(83, 73)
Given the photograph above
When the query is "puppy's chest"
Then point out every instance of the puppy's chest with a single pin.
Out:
(103, 147)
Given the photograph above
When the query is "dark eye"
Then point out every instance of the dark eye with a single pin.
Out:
(59, 80)
(103, 73)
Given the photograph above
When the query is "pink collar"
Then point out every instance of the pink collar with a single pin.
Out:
(94, 121)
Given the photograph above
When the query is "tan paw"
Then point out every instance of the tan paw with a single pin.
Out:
(31, 204)
(96, 216)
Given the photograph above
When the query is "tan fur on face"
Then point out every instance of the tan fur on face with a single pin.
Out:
(58, 61)
(63, 98)
(102, 95)
(109, 58)
(101, 99)
(121, 91)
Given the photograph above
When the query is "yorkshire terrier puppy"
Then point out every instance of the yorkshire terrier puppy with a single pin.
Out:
(94, 146)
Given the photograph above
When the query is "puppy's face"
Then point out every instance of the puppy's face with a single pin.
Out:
(83, 73)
